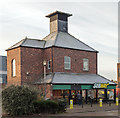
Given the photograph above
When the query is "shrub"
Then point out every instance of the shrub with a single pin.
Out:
(46, 106)
(18, 100)
(62, 105)
(51, 106)
(39, 106)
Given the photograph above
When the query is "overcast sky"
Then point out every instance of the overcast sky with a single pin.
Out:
(94, 23)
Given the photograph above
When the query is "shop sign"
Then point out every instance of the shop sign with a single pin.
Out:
(75, 87)
(100, 85)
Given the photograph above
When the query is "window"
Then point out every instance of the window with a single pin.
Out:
(85, 64)
(13, 68)
(67, 63)
(49, 64)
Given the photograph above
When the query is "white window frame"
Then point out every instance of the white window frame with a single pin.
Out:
(13, 68)
(85, 64)
(49, 64)
(68, 62)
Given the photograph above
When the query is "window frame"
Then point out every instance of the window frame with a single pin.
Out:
(13, 63)
(49, 66)
(67, 62)
(84, 66)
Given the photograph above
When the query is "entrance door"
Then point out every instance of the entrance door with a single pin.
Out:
(74, 95)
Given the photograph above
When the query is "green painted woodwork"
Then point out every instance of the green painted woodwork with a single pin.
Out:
(86, 87)
(111, 87)
(62, 87)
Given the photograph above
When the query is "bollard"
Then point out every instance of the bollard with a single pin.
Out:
(100, 102)
(71, 104)
(82, 103)
(117, 102)
(91, 102)
(109, 103)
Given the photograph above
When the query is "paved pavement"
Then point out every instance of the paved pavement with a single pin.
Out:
(95, 110)
(101, 113)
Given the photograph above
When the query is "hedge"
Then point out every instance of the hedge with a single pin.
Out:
(62, 105)
(18, 100)
(49, 106)
(45, 106)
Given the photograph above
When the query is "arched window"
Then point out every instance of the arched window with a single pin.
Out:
(13, 68)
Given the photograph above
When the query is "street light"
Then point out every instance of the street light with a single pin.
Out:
(44, 64)
(51, 91)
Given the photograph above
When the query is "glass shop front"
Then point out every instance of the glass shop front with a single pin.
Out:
(88, 92)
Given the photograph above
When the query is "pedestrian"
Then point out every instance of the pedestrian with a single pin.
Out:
(79, 98)
(64, 94)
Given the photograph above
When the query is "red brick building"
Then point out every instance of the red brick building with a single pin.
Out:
(71, 65)
(118, 72)
(118, 79)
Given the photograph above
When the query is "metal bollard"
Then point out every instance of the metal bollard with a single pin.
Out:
(91, 102)
(117, 103)
(82, 103)
(109, 103)
(100, 102)
(71, 104)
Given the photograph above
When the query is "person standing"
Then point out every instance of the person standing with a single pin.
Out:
(63, 94)
(79, 98)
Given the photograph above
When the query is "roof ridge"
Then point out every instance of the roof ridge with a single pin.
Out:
(44, 44)
(105, 78)
(82, 42)
(16, 44)
(53, 76)
(48, 35)
(34, 39)
(56, 38)
(23, 42)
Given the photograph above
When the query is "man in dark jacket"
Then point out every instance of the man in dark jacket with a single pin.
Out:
(79, 98)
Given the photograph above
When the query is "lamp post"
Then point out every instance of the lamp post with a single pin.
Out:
(51, 91)
(44, 64)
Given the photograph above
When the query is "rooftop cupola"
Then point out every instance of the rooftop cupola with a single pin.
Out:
(58, 21)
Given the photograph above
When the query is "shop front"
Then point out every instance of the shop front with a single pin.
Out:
(95, 92)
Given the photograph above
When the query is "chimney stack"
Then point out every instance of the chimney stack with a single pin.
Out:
(58, 21)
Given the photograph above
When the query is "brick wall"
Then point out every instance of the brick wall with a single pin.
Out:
(118, 72)
(28, 60)
(31, 64)
(77, 57)
(14, 54)
(49, 92)
(48, 56)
